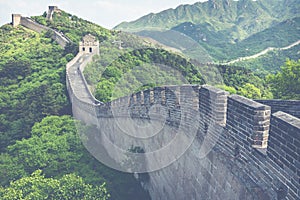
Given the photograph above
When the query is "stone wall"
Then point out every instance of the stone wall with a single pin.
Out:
(238, 166)
(240, 150)
(291, 107)
(51, 10)
(83, 108)
(249, 121)
(16, 19)
(32, 25)
(284, 153)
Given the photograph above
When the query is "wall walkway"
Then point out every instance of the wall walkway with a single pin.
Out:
(255, 153)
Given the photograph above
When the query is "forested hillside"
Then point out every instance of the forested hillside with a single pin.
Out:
(150, 67)
(41, 153)
(32, 81)
(224, 30)
(238, 18)
(280, 35)
(36, 130)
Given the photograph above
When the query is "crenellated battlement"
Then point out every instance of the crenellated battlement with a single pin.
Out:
(243, 129)
(18, 19)
(243, 149)
(51, 10)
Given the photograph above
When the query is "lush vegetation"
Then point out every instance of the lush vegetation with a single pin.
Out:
(55, 147)
(32, 82)
(41, 154)
(285, 84)
(140, 69)
(225, 30)
(37, 187)
(185, 44)
(238, 80)
(239, 19)
(271, 62)
(220, 47)
(35, 134)
(74, 27)
(149, 67)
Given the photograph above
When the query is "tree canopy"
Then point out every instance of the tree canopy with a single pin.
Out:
(286, 83)
(37, 186)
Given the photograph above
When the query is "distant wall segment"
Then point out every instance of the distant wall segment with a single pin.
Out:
(291, 107)
(17, 19)
(262, 146)
(51, 10)
(257, 151)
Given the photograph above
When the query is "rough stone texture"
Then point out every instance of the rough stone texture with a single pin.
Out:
(89, 44)
(241, 151)
(291, 107)
(51, 10)
(32, 25)
(16, 20)
(213, 105)
(249, 121)
(284, 150)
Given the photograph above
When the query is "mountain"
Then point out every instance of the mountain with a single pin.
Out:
(279, 35)
(223, 29)
(34, 100)
(34, 133)
(222, 15)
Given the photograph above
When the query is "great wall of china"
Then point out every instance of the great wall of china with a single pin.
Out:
(255, 150)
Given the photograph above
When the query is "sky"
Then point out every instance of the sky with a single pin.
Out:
(107, 13)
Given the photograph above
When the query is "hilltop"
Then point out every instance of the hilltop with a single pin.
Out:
(243, 18)
(224, 29)
(36, 127)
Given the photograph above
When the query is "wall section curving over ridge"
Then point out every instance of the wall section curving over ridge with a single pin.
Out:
(241, 149)
(17, 19)
(249, 148)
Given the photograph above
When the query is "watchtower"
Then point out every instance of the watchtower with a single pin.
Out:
(89, 44)
(51, 10)
(16, 20)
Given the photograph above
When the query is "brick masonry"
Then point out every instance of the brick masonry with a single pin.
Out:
(254, 154)
(291, 107)
(17, 19)
(257, 152)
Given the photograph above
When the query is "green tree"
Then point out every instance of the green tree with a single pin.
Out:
(54, 146)
(285, 84)
(10, 169)
(104, 90)
(250, 91)
(32, 81)
(38, 187)
(229, 89)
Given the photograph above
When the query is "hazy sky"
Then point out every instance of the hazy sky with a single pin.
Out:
(107, 13)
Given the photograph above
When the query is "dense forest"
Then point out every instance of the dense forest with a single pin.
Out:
(149, 67)
(42, 156)
(226, 30)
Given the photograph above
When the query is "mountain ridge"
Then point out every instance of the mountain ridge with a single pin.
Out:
(224, 27)
(219, 12)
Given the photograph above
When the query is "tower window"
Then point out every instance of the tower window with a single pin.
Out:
(83, 49)
(91, 50)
